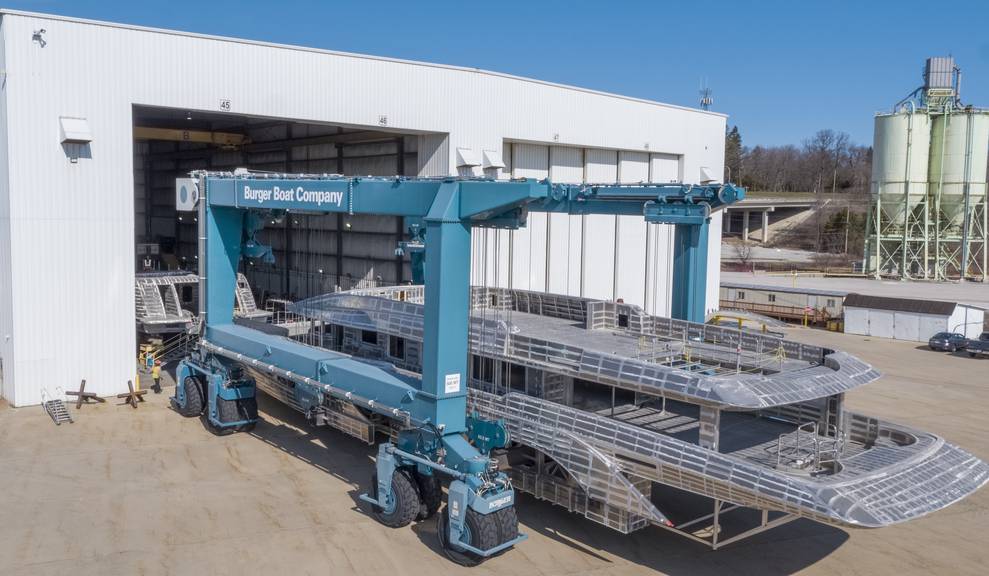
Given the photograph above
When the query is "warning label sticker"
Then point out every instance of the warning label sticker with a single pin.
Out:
(452, 384)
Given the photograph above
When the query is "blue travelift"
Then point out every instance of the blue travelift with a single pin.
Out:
(436, 437)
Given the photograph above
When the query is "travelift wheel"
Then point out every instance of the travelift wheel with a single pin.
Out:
(430, 495)
(403, 505)
(480, 531)
(216, 430)
(193, 397)
(508, 524)
(236, 411)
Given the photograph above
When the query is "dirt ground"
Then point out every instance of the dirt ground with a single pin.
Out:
(124, 491)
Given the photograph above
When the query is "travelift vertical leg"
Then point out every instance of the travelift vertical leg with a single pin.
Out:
(447, 310)
(690, 271)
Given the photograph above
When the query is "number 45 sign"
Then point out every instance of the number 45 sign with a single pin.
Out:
(225, 105)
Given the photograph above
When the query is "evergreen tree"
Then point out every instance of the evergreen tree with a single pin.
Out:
(733, 155)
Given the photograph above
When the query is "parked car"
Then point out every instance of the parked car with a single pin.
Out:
(980, 346)
(948, 341)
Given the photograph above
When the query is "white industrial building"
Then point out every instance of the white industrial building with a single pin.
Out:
(909, 319)
(98, 119)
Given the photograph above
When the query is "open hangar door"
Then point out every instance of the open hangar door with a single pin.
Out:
(313, 253)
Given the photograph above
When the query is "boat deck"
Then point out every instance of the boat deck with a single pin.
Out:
(625, 347)
(685, 354)
(746, 435)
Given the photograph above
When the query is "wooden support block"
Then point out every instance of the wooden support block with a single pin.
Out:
(134, 396)
(83, 396)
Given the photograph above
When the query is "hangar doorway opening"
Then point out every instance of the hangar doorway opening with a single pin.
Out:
(314, 254)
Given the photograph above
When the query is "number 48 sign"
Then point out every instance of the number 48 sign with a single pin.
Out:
(225, 105)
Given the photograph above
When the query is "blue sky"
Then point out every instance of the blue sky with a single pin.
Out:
(781, 70)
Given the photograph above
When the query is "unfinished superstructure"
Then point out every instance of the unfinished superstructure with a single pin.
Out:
(165, 302)
(608, 406)
(593, 405)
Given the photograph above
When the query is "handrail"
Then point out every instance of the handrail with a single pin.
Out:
(179, 343)
(826, 449)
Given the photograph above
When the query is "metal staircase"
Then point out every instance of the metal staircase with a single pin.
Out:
(171, 301)
(177, 346)
(56, 408)
(245, 299)
(149, 298)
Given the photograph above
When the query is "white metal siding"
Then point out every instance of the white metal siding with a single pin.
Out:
(906, 326)
(71, 225)
(714, 259)
(631, 236)
(665, 168)
(931, 325)
(966, 320)
(856, 321)
(6, 271)
(598, 261)
(564, 232)
(434, 155)
(910, 326)
(528, 244)
(559, 253)
(881, 323)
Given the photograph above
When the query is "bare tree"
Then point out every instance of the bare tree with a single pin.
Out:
(826, 162)
(743, 252)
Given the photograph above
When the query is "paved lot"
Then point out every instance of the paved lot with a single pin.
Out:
(145, 491)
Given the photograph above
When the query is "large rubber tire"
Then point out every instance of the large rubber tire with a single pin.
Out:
(482, 532)
(218, 430)
(193, 397)
(237, 410)
(406, 495)
(508, 524)
(430, 495)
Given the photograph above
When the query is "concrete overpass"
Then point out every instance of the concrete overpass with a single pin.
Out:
(775, 210)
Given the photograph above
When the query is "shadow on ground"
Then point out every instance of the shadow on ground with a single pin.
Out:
(926, 348)
(784, 550)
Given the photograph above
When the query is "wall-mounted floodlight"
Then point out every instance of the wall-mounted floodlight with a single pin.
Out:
(39, 37)
(74, 130)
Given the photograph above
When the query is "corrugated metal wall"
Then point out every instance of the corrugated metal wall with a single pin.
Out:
(72, 223)
(6, 271)
(595, 256)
